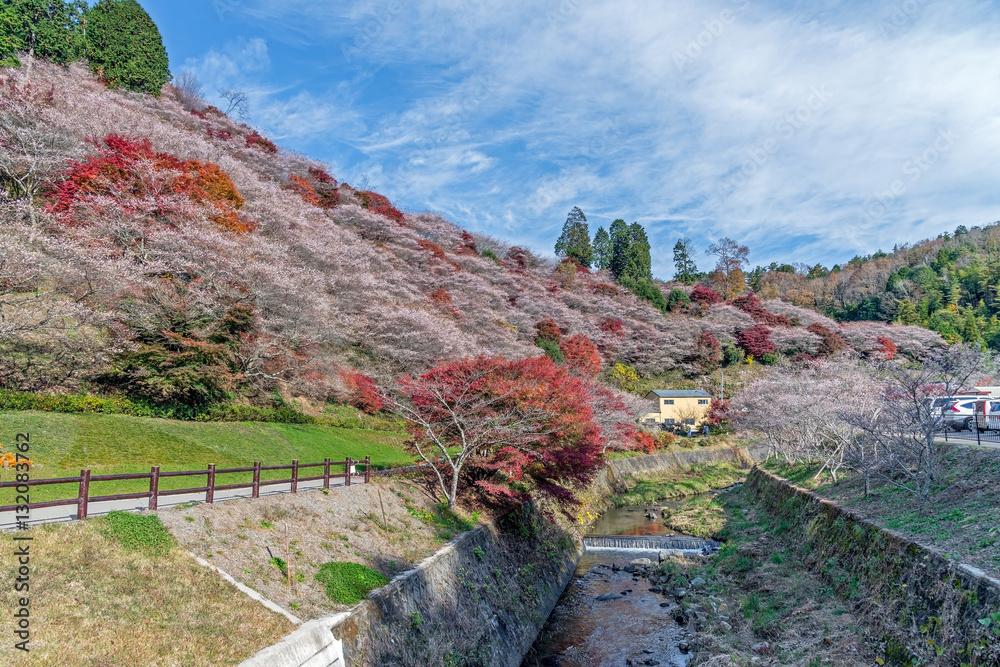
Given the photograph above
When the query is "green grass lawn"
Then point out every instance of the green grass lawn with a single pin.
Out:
(63, 444)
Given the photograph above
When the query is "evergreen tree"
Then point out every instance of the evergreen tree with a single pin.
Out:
(970, 328)
(638, 264)
(125, 48)
(907, 313)
(602, 249)
(575, 239)
(687, 272)
(50, 29)
(620, 241)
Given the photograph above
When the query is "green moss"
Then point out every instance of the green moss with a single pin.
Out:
(349, 583)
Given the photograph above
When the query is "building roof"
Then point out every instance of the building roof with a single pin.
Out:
(683, 393)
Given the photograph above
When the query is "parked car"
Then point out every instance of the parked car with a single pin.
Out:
(958, 412)
(987, 415)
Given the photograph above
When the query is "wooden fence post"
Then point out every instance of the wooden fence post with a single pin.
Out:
(210, 493)
(154, 486)
(368, 469)
(326, 473)
(348, 469)
(295, 475)
(256, 479)
(81, 499)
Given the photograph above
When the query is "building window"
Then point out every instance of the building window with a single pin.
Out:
(670, 422)
(702, 401)
(689, 422)
(668, 401)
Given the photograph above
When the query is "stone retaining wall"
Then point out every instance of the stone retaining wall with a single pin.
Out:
(480, 600)
(932, 597)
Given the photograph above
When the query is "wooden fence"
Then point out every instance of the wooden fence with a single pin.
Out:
(154, 476)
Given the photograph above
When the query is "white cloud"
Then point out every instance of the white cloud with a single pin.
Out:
(783, 125)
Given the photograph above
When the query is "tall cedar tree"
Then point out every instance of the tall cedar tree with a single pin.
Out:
(620, 241)
(125, 48)
(575, 239)
(602, 249)
(50, 29)
(687, 271)
(638, 264)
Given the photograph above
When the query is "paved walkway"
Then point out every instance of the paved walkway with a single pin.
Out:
(68, 512)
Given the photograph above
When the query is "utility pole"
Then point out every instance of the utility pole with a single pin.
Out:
(722, 385)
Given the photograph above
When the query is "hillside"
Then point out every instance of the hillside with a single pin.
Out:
(950, 285)
(180, 258)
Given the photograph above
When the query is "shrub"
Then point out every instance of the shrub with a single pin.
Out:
(678, 299)
(125, 48)
(646, 290)
(326, 188)
(705, 295)
(224, 135)
(756, 341)
(468, 246)
(255, 140)
(349, 583)
(613, 326)
(887, 348)
(433, 248)
(131, 172)
(625, 377)
(137, 532)
(604, 289)
(380, 204)
(365, 394)
(830, 341)
(489, 254)
(548, 330)
(707, 352)
(769, 359)
(303, 188)
(581, 354)
(732, 355)
(551, 349)
(644, 442)
(750, 305)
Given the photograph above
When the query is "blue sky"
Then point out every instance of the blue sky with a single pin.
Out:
(810, 131)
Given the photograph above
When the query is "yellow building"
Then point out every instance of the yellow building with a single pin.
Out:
(681, 407)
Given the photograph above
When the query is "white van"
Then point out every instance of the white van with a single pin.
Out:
(987, 417)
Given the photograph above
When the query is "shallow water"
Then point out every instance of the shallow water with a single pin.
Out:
(630, 630)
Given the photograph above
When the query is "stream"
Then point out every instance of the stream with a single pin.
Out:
(636, 625)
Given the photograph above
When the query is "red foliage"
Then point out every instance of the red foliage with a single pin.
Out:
(756, 340)
(750, 305)
(326, 188)
(303, 188)
(255, 140)
(468, 246)
(552, 288)
(224, 135)
(830, 342)
(373, 201)
(718, 412)
(604, 289)
(432, 248)
(524, 425)
(887, 348)
(518, 256)
(441, 296)
(132, 173)
(581, 355)
(364, 393)
(613, 326)
(644, 442)
(208, 111)
(705, 295)
(548, 330)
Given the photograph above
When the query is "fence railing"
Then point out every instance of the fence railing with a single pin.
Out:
(83, 498)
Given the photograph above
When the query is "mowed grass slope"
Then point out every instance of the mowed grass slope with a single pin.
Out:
(63, 444)
(97, 603)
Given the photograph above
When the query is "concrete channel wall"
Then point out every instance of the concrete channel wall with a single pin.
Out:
(933, 598)
(485, 595)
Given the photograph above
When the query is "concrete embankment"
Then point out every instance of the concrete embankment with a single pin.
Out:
(912, 592)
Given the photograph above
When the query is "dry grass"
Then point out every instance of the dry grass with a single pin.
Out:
(95, 605)
(241, 536)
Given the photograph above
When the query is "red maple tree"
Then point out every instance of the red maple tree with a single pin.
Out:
(581, 355)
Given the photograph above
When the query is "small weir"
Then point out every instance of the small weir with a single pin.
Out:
(610, 615)
(682, 544)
